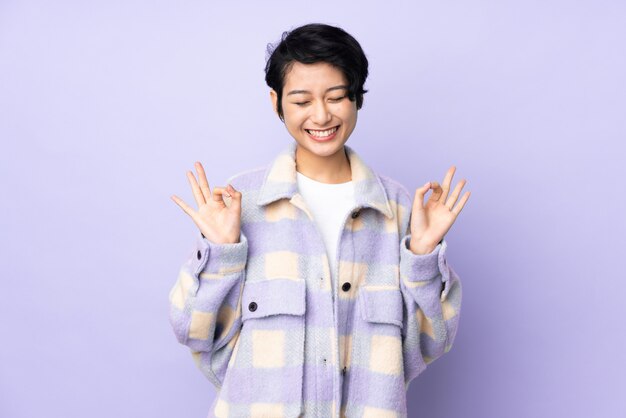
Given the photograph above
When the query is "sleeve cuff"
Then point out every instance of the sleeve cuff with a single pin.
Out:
(220, 259)
(423, 267)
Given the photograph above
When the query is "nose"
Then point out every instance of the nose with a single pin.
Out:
(321, 116)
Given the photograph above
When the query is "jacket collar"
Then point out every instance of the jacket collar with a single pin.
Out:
(280, 181)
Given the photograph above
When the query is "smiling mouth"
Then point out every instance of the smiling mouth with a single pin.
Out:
(324, 133)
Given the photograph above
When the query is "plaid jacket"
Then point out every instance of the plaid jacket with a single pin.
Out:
(265, 326)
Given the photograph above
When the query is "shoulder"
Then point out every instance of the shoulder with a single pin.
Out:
(249, 179)
(395, 190)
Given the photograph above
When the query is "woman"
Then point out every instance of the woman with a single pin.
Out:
(317, 288)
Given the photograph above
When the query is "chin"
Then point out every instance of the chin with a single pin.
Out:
(325, 151)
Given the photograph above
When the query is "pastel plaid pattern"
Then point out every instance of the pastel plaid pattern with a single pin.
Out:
(265, 327)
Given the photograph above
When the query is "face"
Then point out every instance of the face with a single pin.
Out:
(316, 108)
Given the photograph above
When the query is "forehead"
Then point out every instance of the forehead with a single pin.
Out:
(319, 75)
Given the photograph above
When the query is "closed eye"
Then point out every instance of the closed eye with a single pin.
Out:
(335, 99)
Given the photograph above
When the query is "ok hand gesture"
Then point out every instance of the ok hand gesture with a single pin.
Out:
(218, 222)
(430, 222)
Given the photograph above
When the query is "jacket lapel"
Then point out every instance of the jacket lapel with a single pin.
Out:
(280, 182)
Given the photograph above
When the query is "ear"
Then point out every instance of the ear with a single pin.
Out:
(274, 97)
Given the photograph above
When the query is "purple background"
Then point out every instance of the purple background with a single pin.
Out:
(104, 106)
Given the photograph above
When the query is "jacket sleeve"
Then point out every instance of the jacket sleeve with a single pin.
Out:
(205, 303)
(432, 302)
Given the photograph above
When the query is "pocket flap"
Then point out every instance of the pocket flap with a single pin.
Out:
(273, 297)
(381, 305)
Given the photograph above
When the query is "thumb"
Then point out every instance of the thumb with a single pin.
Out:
(234, 194)
(421, 191)
(419, 194)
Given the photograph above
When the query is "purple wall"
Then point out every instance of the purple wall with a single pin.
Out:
(103, 107)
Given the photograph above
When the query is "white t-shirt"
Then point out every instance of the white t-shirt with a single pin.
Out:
(328, 203)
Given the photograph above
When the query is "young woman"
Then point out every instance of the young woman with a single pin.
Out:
(317, 287)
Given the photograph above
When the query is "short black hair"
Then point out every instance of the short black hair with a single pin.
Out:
(317, 42)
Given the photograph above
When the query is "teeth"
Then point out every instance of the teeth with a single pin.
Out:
(322, 134)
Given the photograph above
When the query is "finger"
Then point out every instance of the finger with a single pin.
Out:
(457, 209)
(235, 194)
(197, 193)
(204, 184)
(437, 191)
(447, 180)
(233, 197)
(418, 200)
(455, 194)
(184, 206)
(219, 193)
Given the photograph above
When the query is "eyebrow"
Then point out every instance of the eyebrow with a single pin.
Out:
(308, 92)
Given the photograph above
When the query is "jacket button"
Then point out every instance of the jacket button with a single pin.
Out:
(199, 255)
(345, 287)
(252, 306)
(355, 214)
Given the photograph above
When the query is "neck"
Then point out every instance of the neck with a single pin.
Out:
(331, 169)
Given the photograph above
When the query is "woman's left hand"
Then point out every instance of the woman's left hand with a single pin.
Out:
(430, 222)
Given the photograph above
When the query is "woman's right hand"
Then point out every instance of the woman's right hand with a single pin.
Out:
(218, 222)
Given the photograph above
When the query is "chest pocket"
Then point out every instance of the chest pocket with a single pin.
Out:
(265, 378)
(381, 305)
